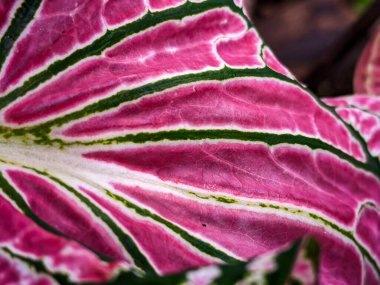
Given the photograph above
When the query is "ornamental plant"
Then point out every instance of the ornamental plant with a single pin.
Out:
(162, 142)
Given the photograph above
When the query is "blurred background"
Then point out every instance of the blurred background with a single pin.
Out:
(320, 41)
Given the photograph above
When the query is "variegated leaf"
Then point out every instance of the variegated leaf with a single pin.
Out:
(159, 136)
(363, 113)
(367, 74)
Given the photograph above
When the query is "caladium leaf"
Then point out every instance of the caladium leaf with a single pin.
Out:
(367, 74)
(363, 113)
(269, 268)
(160, 136)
